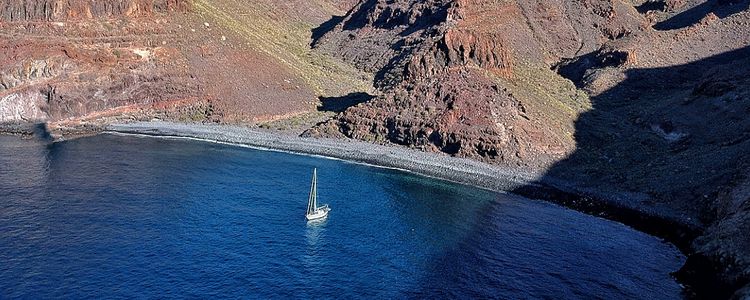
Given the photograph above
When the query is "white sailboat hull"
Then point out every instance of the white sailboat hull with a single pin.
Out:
(320, 213)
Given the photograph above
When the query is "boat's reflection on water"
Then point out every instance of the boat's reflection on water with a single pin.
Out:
(315, 234)
(315, 231)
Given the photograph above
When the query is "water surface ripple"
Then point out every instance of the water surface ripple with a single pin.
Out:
(134, 217)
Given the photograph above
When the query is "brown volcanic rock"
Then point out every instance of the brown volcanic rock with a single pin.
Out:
(217, 60)
(62, 10)
(419, 48)
(378, 36)
(460, 48)
(79, 76)
(459, 112)
(98, 60)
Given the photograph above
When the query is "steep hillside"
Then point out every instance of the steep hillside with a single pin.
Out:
(641, 99)
(255, 57)
(64, 59)
(668, 120)
(72, 10)
(517, 111)
(641, 104)
(80, 62)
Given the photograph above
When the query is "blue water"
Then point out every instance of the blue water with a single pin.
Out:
(135, 217)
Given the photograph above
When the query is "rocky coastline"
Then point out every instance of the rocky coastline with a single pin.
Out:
(701, 275)
(700, 278)
(634, 111)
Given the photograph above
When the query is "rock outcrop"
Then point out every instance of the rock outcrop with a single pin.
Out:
(66, 10)
(418, 49)
(458, 48)
(76, 61)
(661, 118)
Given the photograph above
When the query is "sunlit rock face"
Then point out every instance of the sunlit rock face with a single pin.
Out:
(96, 62)
(450, 73)
(66, 10)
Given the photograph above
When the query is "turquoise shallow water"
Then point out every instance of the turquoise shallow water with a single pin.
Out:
(123, 217)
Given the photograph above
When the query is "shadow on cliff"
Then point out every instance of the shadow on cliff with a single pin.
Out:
(721, 8)
(379, 23)
(660, 144)
(317, 33)
(340, 104)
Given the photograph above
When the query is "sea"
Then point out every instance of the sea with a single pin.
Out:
(123, 217)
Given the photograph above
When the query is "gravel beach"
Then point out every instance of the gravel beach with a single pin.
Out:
(620, 206)
(435, 165)
(626, 207)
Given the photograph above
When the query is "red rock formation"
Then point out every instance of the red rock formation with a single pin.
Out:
(91, 59)
(460, 112)
(61, 10)
(459, 48)
(421, 49)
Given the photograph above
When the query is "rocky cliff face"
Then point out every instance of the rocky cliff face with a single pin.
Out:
(67, 59)
(57, 76)
(656, 110)
(73, 62)
(66, 10)
(418, 49)
(643, 98)
(460, 113)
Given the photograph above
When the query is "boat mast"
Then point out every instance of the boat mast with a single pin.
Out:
(311, 197)
(315, 189)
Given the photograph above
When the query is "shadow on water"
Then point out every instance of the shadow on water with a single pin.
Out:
(507, 251)
(483, 243)
(720, 8)
(443, 209)
(674, 134)
(340, 104)
(42, 132)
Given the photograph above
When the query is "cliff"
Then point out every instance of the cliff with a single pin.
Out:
(502, 50)
(642, 99)
(77, 62)
(67, 10)
(645, 100)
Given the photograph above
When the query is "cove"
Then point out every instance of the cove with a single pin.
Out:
(123, 216)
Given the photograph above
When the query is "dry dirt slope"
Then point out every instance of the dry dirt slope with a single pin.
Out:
(74, 62)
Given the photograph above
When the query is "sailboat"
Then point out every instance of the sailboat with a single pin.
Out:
(313, 211)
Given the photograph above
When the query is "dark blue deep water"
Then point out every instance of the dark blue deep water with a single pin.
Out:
(135, 217)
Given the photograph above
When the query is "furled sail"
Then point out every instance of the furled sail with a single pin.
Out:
(312, 201)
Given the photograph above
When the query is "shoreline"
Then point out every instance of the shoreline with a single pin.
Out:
(612, 205)
(615, 206)
(453, 169)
